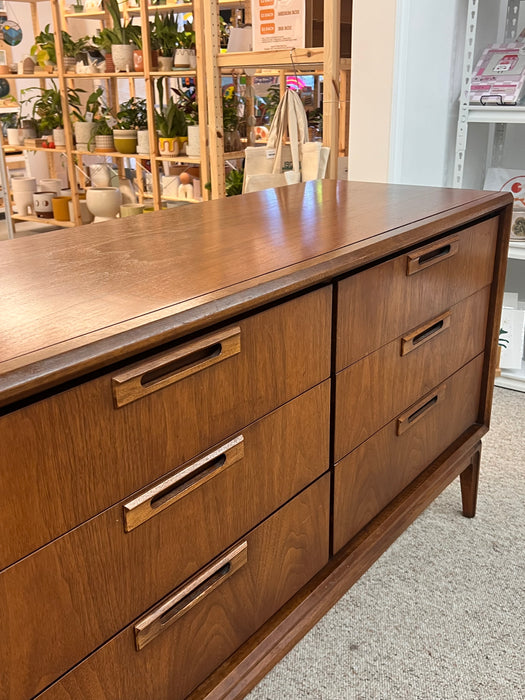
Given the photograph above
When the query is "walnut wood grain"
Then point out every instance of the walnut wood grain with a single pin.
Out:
(386, 382)
(400, 302)
(469, 479)
(96, 579)
(56, 459)
(284, 552)
(73, 304)
(378, 470)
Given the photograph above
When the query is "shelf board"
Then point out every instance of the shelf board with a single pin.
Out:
(184, 160)
(175, 73)
(9, 110)
(40, 75)
(93, 14)
(512, 378)
(517, 250)
(496, 115)
(279, 59)
(45, 222)
(168, 7)
(92, 76)
(57, 149)
(234, 155)
(113, 154)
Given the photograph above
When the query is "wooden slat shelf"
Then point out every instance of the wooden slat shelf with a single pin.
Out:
(57, 149)
(45, 222)
(184, 160)
(310, 57)
(94, 14)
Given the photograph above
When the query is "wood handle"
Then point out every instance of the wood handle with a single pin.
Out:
(187, 596)
(424, 333)
(431, 254)
(420, 409)
(169, 367)
(179, 485)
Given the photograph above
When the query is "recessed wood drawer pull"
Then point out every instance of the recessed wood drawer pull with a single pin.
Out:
(187, 596)
(421, 335)
(172, 366)
(179, 485)
(432, 254)
(415, 413)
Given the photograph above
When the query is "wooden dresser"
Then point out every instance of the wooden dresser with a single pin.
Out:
(213, 420)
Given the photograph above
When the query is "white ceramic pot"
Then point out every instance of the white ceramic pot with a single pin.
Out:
(143, 141)
(104, 143)
(165, 63)
(193, 148)
(23, 201)
(59, 137)
(51, 184)
(83, 135)
(23, 184)
(131, 210)
(182, 58)
(100, 175)
(103, 202)
(85, 215)
(43, 204)
(15, 137)
(123, 57)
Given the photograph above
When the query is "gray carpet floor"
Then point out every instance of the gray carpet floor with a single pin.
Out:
(441, 616)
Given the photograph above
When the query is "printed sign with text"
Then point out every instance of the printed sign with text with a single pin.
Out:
(278, 24)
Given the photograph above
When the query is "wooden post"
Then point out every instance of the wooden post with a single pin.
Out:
(198, 26)
(331, 41)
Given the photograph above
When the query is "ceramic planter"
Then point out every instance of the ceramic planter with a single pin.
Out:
(138, 60)
(86, 216)
(23, 189)
(51, 184)
(125, 140)
(182, 58)
(183, 142)
(104, 143)
(122, 57)
(143, 141)
(168, 146)
(110, 66)
(165, 63)
(193, 148)
(103, 202)
(232, 141)
(100, 175)
(59, 137)
(43, 204)
(61, 208)
(15, 137)
(83, 135)
(70, 64)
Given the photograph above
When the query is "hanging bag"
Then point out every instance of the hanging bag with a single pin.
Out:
(279, 163)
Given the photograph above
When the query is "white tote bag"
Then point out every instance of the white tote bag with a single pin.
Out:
(278, 163)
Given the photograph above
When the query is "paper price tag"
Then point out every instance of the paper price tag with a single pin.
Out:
(270, 153)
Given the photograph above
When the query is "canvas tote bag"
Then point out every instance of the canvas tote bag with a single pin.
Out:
(278, 163)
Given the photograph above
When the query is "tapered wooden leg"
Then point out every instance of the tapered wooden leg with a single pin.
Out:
(469, 484)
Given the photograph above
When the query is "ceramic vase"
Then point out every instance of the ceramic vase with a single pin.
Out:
(43, 204)
(122, 57)
(125, 140)
(103, 202)
(143, 141)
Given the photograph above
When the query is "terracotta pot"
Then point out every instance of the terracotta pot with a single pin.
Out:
(138, 60)
(43, 204)
(110, 66)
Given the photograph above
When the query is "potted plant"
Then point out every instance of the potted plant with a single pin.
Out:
(185, 48)
(84, 119)
(44, 49)
(103, 132)
(47, 111)
(232, 117)
(123, 36)
(164, 34)
(188, 103)
(130, 118)
(171, 124)
(138, 55)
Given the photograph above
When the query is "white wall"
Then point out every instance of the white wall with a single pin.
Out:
(373, 45)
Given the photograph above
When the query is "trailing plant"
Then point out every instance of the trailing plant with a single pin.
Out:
(132, 114)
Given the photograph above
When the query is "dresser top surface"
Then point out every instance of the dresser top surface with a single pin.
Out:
(66, 290)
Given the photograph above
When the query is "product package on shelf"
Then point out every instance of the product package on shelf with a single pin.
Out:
(513, 181)
(499, 76)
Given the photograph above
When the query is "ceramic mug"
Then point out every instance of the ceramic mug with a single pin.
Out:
(61, 208)
(43, 204)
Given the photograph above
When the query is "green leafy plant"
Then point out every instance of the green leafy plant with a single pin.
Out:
(232, 110)
(93, 107)
(187, 101)
(234, 181)
(163, 33)
(186, 38)
(170, 121)
(46, 105)
(132, 114)
(121, 32)
(270, 103)
(44, 48)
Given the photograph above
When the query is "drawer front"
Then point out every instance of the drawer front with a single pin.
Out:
(90, 583)
(378, 470)
(72, 455)
(377, 305)
(372, 391)
(212, 614)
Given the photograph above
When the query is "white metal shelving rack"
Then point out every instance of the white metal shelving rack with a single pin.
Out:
(499, 117)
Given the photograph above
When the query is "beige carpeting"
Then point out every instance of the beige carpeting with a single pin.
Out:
(441, 616)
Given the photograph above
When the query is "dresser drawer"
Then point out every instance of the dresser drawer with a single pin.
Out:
(372, 391)
(72, 455)
(88, 584)
(178, 643)
(378, 470)
(378, 304)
